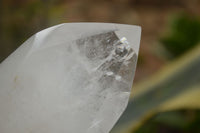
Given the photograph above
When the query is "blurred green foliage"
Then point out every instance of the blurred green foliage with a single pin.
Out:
(20, 19)
(180, 121)
(184, 35)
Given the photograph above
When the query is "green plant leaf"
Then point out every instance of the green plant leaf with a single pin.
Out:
(175, 86)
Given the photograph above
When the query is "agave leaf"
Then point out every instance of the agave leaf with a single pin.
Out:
(175, 86)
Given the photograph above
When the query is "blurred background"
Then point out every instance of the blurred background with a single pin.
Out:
(166, 87)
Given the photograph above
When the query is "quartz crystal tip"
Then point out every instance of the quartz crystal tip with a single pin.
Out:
(69, 78)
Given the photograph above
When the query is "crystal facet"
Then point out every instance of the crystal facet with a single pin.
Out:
(70, 78)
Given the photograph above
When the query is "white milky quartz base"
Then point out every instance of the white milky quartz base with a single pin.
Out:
(70, 78)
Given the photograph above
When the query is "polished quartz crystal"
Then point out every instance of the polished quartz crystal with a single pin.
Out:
(70, 78)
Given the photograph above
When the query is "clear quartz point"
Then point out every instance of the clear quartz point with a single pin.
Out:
(70, 78)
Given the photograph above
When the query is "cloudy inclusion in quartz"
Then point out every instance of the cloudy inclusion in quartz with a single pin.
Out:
(113, 62)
